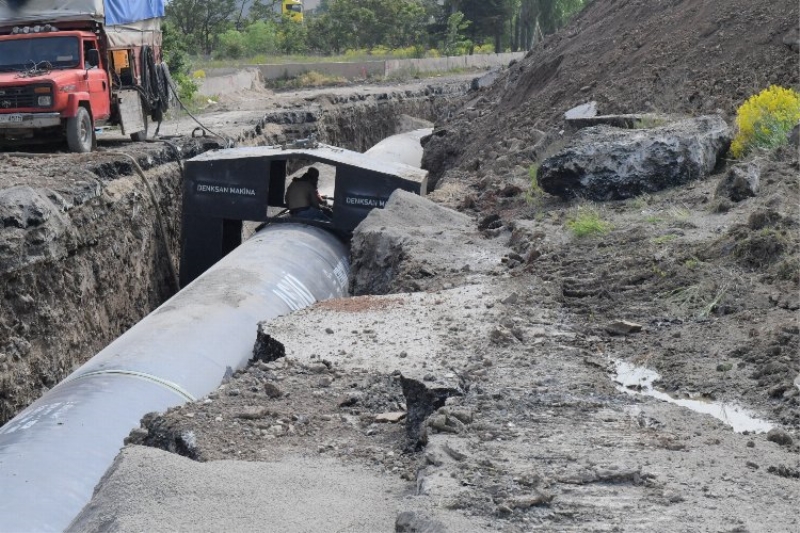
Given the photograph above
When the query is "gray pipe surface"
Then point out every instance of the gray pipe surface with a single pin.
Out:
(54, 452)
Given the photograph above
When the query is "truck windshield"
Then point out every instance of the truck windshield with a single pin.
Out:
(28, 52)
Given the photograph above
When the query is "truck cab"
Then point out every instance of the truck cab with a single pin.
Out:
(52, 84)
(61, 82)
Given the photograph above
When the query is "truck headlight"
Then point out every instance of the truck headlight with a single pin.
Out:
(45, 101)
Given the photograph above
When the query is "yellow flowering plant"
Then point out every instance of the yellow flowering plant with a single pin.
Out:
(764, 120)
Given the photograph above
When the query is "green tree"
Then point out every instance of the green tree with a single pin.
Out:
(292, 37)
(455, 43)
(202, 21)
(265, 10)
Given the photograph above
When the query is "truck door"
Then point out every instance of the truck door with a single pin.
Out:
(98, 84)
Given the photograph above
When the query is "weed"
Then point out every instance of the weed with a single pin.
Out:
(764, 120)
(534, 190)
(696, 300)
(587, 222)
(679, 213)
(641, 201)
(692, 263)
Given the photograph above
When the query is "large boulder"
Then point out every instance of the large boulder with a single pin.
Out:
(607, 163)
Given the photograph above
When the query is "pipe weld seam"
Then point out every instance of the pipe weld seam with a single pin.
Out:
(174, 387)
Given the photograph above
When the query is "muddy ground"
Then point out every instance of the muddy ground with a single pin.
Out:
(473, 380)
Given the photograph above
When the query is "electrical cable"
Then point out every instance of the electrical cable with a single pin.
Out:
(159, 219)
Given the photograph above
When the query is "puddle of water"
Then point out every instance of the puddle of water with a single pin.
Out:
(637, 380)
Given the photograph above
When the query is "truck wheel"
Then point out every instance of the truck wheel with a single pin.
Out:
(80, 132)
(140, 136)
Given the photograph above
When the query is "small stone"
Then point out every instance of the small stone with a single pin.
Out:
(392, 417)
(779, 437)
(234, 392)
(252, 413)
(510, 299)
(272, 391)
(530, 500)
(329, 331)
(623, 327)
(402, 355)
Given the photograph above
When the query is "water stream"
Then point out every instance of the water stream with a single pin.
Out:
(637, 380)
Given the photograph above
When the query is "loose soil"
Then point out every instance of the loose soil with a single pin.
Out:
(518, 320)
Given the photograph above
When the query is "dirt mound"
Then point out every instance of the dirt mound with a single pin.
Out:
(676, 56)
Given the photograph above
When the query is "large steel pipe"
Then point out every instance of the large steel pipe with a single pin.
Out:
(54, 452)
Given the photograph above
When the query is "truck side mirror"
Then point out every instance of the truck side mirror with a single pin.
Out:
(92, 58)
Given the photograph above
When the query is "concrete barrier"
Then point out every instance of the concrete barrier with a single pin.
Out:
(350, 71)
(230, 80)
(398, 67)
(222, 80)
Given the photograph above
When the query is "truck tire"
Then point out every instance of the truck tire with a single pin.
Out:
(141, 136)
(80, 132)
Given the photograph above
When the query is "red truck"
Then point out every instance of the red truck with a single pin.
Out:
(69, 66)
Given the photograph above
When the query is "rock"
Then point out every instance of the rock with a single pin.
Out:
(779, 437)
(530, 500)
(484, 81)
(422, 399)
(606, 163)
(392, 417)
(452, 452)
(351, 399)
(741, 182)
(410, 522)
(792, 40)
(502, 335)
(252, 413)
(628, 121)
(272, 391)
(794, 136)
(266, 348)
(510, 299)
(587, 110)
(393, 243)
(623, 327)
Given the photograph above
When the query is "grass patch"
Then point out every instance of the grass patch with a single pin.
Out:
(692, 263)
(586, 222)
(534, 190)
(653, 219)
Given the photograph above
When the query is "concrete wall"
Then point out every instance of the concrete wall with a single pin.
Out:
(221, 80)
(443, 64)
(227, 80)
(350, 71)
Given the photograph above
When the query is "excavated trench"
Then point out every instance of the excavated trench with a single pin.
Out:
(85, 258)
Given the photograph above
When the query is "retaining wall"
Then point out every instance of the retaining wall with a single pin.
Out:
(223, 80)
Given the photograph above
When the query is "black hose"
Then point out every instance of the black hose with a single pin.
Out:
(154, 86)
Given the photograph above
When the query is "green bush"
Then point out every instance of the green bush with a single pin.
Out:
(765, 119)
